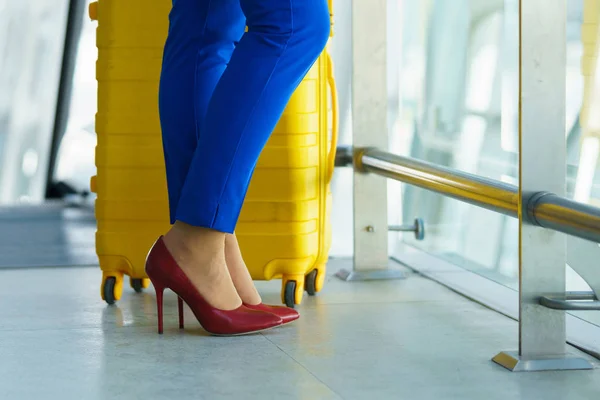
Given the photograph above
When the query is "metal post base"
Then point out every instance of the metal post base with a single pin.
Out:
(512, 361)
(372, 275)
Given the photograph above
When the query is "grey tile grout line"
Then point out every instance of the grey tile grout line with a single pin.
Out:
(303, 366)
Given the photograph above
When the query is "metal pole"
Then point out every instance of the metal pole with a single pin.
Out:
(369, 127)
(542, 252)
(477, 190)
(543, 209)
(565, 215)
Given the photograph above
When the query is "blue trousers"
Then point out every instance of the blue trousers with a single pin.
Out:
(222, 91)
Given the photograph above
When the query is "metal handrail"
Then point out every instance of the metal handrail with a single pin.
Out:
(544, 209)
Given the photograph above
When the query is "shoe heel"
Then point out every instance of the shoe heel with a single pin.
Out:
(159, 306)
(180, 307)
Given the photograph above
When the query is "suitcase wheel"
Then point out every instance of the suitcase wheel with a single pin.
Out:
(112, 287)
(290, 294)
(108, 289)
(139, 284)
(292, 289)
(310, 283)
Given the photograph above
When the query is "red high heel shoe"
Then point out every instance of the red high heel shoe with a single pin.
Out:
(163, 271)
(285, 313)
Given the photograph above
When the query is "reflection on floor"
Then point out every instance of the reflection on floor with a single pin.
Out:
(47, 235)
(411, 339)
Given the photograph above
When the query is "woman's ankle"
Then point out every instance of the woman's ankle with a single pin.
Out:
(200, 254)
(239, 272)
(194, 238)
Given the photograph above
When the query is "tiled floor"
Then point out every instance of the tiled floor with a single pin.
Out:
(409, 339)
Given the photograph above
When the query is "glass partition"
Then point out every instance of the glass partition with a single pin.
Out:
(459, 108)
(462, 114)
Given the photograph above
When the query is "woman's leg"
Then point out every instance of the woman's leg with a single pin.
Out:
(202, 37)
(313, 33)
(216, 36)
(192, 30)
(284, 39)
(201, 40)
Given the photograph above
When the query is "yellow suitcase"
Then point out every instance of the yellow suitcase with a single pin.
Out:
(283, 229)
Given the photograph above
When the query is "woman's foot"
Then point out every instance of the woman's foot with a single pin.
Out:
(165, 273)
(245, 286)
(199, 252)
(239, 272)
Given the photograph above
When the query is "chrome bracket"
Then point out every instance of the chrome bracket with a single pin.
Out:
(418, 227)
(580, 254)
(573, 301)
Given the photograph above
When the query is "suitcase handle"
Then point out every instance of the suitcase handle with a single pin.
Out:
(334, 119)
